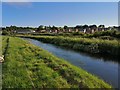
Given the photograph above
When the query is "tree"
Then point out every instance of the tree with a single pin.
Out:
(78, 26)
(65, 27)
(101, 26)
(54, 28)
(49, 27)
(41, 27)
(85, 26)
(92, 26)
(5, 32)
(45, 27)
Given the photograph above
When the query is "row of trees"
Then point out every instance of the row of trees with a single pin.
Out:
(41, 27)
(12, 29)
(17, 28)
(91, 26)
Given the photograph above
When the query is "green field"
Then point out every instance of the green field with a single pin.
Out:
(28, 66)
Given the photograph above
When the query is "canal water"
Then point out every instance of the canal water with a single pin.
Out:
(99, 66)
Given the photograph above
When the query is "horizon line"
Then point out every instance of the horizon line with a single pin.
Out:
(63, 25)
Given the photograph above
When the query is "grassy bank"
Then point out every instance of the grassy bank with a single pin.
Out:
(94, 46)
(28, 66)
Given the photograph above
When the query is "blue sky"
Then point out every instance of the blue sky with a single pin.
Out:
(59, 13)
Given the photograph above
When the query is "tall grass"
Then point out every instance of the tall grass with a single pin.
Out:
(100, 46)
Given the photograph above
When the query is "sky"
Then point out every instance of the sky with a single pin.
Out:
(60, 0)
(59, 13)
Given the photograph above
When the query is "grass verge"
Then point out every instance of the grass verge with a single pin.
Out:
(28, 66)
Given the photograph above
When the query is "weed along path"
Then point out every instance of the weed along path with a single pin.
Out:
(29, 66)
(102, 67)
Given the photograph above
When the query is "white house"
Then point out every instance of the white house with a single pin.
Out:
(25, 31)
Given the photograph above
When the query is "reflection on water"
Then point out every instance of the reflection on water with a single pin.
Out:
(104, 57)
(104, 67)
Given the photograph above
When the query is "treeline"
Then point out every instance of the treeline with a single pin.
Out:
(51, 29)
(11, 30)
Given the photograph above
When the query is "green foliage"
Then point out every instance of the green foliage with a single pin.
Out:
(28, 66)
(110, 33)
(5, 32)
(108, 47)
(105, 33)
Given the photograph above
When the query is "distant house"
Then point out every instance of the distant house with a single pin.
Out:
(66, 30)
(42, 31)
(55, 31)
(69, 29)
(76, 30)
(25, 31)
(83, 30)
(48, 30)
(101, 29)
(88, 30)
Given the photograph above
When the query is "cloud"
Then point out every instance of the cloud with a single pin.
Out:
(16, 0)
(19, 4)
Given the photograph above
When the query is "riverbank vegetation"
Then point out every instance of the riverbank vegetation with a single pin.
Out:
(90, 45)
(28, 66)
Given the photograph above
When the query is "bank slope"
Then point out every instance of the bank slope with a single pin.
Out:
(28, 66)
(93, 46)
